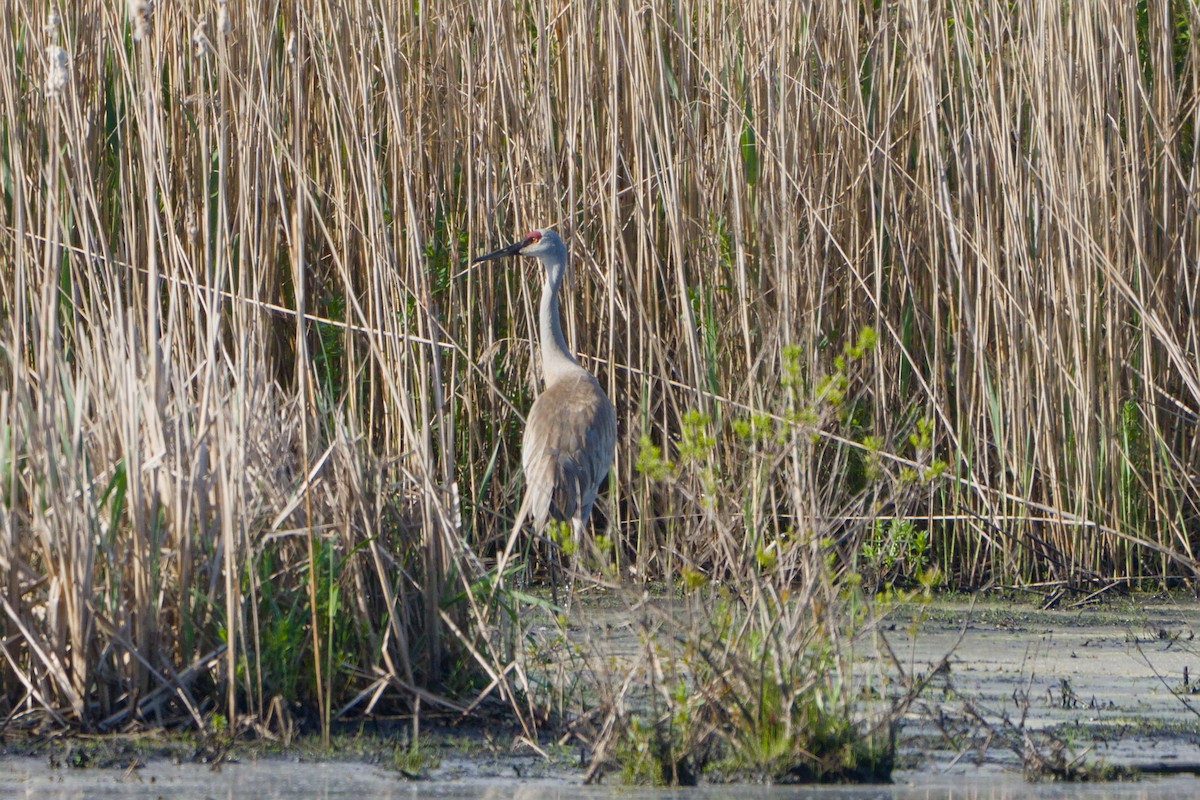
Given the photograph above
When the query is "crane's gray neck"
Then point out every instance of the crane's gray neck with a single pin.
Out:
(556, 358)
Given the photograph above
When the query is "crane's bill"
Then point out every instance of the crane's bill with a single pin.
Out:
(512, 250)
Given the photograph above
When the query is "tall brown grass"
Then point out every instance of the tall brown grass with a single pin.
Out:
(257, 428)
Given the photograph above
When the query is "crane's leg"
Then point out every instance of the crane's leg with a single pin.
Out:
(553, 563)
(577, 530)
(556, 540)
(573, 564)
(565, 555)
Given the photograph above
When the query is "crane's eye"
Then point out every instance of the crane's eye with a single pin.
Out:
(533, 237)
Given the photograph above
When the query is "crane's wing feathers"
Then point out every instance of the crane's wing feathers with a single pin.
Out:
(567, 450)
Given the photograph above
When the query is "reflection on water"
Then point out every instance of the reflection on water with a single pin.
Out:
(32, 778)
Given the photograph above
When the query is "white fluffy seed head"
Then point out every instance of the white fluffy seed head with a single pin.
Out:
(140, 13)
(59, 72)
(52, 23)
(200, 44)
(223, 23)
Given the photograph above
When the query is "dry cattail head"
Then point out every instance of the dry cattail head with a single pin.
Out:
(140, 12)
(59, 71)
(200, 44)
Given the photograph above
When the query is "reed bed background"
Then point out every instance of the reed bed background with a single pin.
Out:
(259, 426)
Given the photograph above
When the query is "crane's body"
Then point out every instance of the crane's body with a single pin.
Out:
(571, 430)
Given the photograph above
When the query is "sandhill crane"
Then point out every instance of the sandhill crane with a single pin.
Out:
(571, 430)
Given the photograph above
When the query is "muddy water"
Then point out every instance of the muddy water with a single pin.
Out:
(280, 779)
(1108, 682)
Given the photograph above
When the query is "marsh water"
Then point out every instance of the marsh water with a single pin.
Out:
(1109, 683)
(281, 779)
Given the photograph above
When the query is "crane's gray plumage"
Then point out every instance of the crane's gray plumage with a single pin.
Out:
(571, 430)
(567, 450)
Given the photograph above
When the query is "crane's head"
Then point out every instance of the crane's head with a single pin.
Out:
(544, 244)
